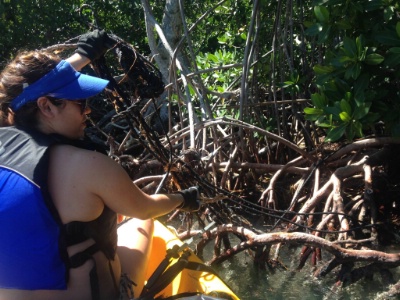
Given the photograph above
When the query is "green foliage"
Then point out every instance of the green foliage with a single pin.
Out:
(38, 24)
(357, 83)
(347, 61)
(219, 80)
(224, 28)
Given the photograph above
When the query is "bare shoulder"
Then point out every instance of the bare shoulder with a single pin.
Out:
(85, 180)
(67, 156)
(79, 166)
(74, 151)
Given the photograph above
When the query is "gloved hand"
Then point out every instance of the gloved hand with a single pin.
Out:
(94, 44)
(191, 200)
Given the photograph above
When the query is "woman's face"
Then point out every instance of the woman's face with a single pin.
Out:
(77, 111)
(70, 117)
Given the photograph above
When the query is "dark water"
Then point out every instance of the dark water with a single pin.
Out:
(252, 284)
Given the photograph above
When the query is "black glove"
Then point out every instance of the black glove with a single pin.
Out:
(191, 200)
(94, 44)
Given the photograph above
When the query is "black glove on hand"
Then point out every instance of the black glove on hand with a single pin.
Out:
(191, 199)
(94, 44)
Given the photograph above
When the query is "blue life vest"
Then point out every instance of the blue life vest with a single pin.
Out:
(30, 254)
(33, 250)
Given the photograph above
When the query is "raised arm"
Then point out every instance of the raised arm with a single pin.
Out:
(91, 46)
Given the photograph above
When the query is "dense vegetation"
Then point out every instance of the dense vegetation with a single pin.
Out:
(288, 109)
(342, 55)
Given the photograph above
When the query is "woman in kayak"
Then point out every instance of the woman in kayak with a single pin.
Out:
(59, 201)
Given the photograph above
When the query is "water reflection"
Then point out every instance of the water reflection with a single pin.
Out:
(250, 283)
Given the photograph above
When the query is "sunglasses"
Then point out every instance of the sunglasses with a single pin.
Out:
(82, 103)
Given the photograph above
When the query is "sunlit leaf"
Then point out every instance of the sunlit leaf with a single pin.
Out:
(345, 117)
(313, 111)
(388, 13)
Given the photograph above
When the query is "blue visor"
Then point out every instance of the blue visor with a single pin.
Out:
(63, 82)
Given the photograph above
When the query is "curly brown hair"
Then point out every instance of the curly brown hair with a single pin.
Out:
(26, 68)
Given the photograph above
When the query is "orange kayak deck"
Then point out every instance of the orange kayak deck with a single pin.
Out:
(187, 281)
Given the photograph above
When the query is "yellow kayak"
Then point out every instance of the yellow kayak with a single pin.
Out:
(175, 272)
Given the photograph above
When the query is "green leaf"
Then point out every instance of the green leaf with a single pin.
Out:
(343, 59)
(212, 57)
(350, 132)
(324, 33)
(287, 83)
(353, 71)
(318, 100)
(392, 59)
(374, 59)
(395, 49)
(348, 96)
(388, 37)
(360, 42)
(358, 129)
(324, 125)
(343, 24)
(314, 29)
(334, 111)
(322, 14)
(359, 98)
(342, 85)
(319, 69)
(373, 5)
(350, 48)
(388, 13)
(313, 118)
(345, 107)
(308, 24)
(361, 111)
(361, 84)
(345, 117)
(313, 111)
(335, 134)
